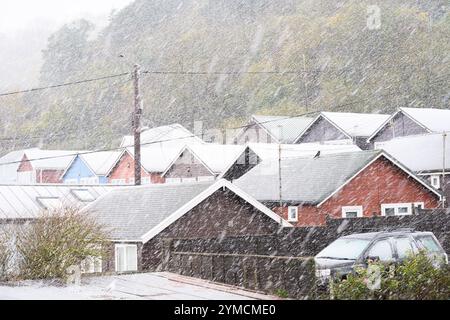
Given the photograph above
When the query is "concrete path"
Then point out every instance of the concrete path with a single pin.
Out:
(147, 286)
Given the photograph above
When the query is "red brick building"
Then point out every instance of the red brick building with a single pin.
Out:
(43, 166)
(350, 185)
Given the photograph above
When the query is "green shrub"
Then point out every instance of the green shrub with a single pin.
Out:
(414, 279)
(56, 241)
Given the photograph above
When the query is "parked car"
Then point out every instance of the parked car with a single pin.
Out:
(347, 253)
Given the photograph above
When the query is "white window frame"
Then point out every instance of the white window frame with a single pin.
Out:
(415, 204)
(396, 206)
(71, 181)
(118, 181)
(125, 246)
(289, 214)
(131, 180)
(437, 184)
(357, 209)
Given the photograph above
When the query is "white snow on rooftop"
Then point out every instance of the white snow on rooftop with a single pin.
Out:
(216, 156)
(436, 120)
(284, 128)
(27, 201)
(270, 151)
(157, 157)
(174, 132)
(9, 164)
(50, 159)
(356, 124)
(419, 152)
(101, 162)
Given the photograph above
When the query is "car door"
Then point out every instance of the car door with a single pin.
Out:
(404, 247)
(381, 250)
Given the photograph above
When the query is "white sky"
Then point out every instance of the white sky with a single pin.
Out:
(16, 15)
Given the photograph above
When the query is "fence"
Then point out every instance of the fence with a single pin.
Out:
(282, 275)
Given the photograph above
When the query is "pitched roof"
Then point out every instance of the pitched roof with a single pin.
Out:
(140, 213)
(174, 132)
(216, 157)
(101, 162)
(308, 180)
(9, 164)
(158, 156)
(50, 159)
(431, 119)
(351, 124)
(283, 128)
(436, 120)
(419, 152)
(26, 201)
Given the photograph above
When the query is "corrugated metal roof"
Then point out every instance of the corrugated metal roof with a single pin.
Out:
(22, 201)
(356, 124)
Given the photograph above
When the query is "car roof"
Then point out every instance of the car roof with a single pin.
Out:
(372, 235)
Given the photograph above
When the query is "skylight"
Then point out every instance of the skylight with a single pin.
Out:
(50, 203)
(83, 195)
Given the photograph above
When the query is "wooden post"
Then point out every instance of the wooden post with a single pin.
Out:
(137, 125)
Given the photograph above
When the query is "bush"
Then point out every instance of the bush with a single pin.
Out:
(414, 279)
(5, 254)
(56, 241)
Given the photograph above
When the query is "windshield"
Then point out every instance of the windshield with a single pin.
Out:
(344, 249)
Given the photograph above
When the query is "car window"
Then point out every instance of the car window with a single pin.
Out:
(429, 243)
(404, 247)
(382, 249)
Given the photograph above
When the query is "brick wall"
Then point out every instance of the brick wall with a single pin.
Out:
(379, 183)
(124, 169)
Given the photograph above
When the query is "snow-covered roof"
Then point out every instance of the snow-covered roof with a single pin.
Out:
(27, 201)
(174, 132)
(310, 180)
(269, 151)
(217, 157)
(431, 119)
(51, 159)
(9, 164)
(101, 162)
(435, 120)
(356, 124)
(419, 152)
(283, 128)
(140, 213)
(158, 156)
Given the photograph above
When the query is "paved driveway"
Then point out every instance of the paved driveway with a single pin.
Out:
(152, 286)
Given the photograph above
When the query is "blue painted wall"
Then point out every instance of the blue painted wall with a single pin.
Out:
(79, 170)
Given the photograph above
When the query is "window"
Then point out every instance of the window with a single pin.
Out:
(50, 203)
(146, 180)
(404, 247)
(435, 181)
(381, 250)
(205, 178)
(93, 180)
(71, 181)
(91, 265)
(344, 248)
(126, 257)
(118, 181)
(188, 179)
(173, 180)
(293, 214)
(429, 243)
(83, 195)
(130, 180)
(395, 209)
(352, 212)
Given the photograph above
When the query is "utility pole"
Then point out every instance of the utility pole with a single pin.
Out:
(137, 113)
(444, 136)
(280, 182)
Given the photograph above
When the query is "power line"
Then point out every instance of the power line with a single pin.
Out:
(64, 84)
